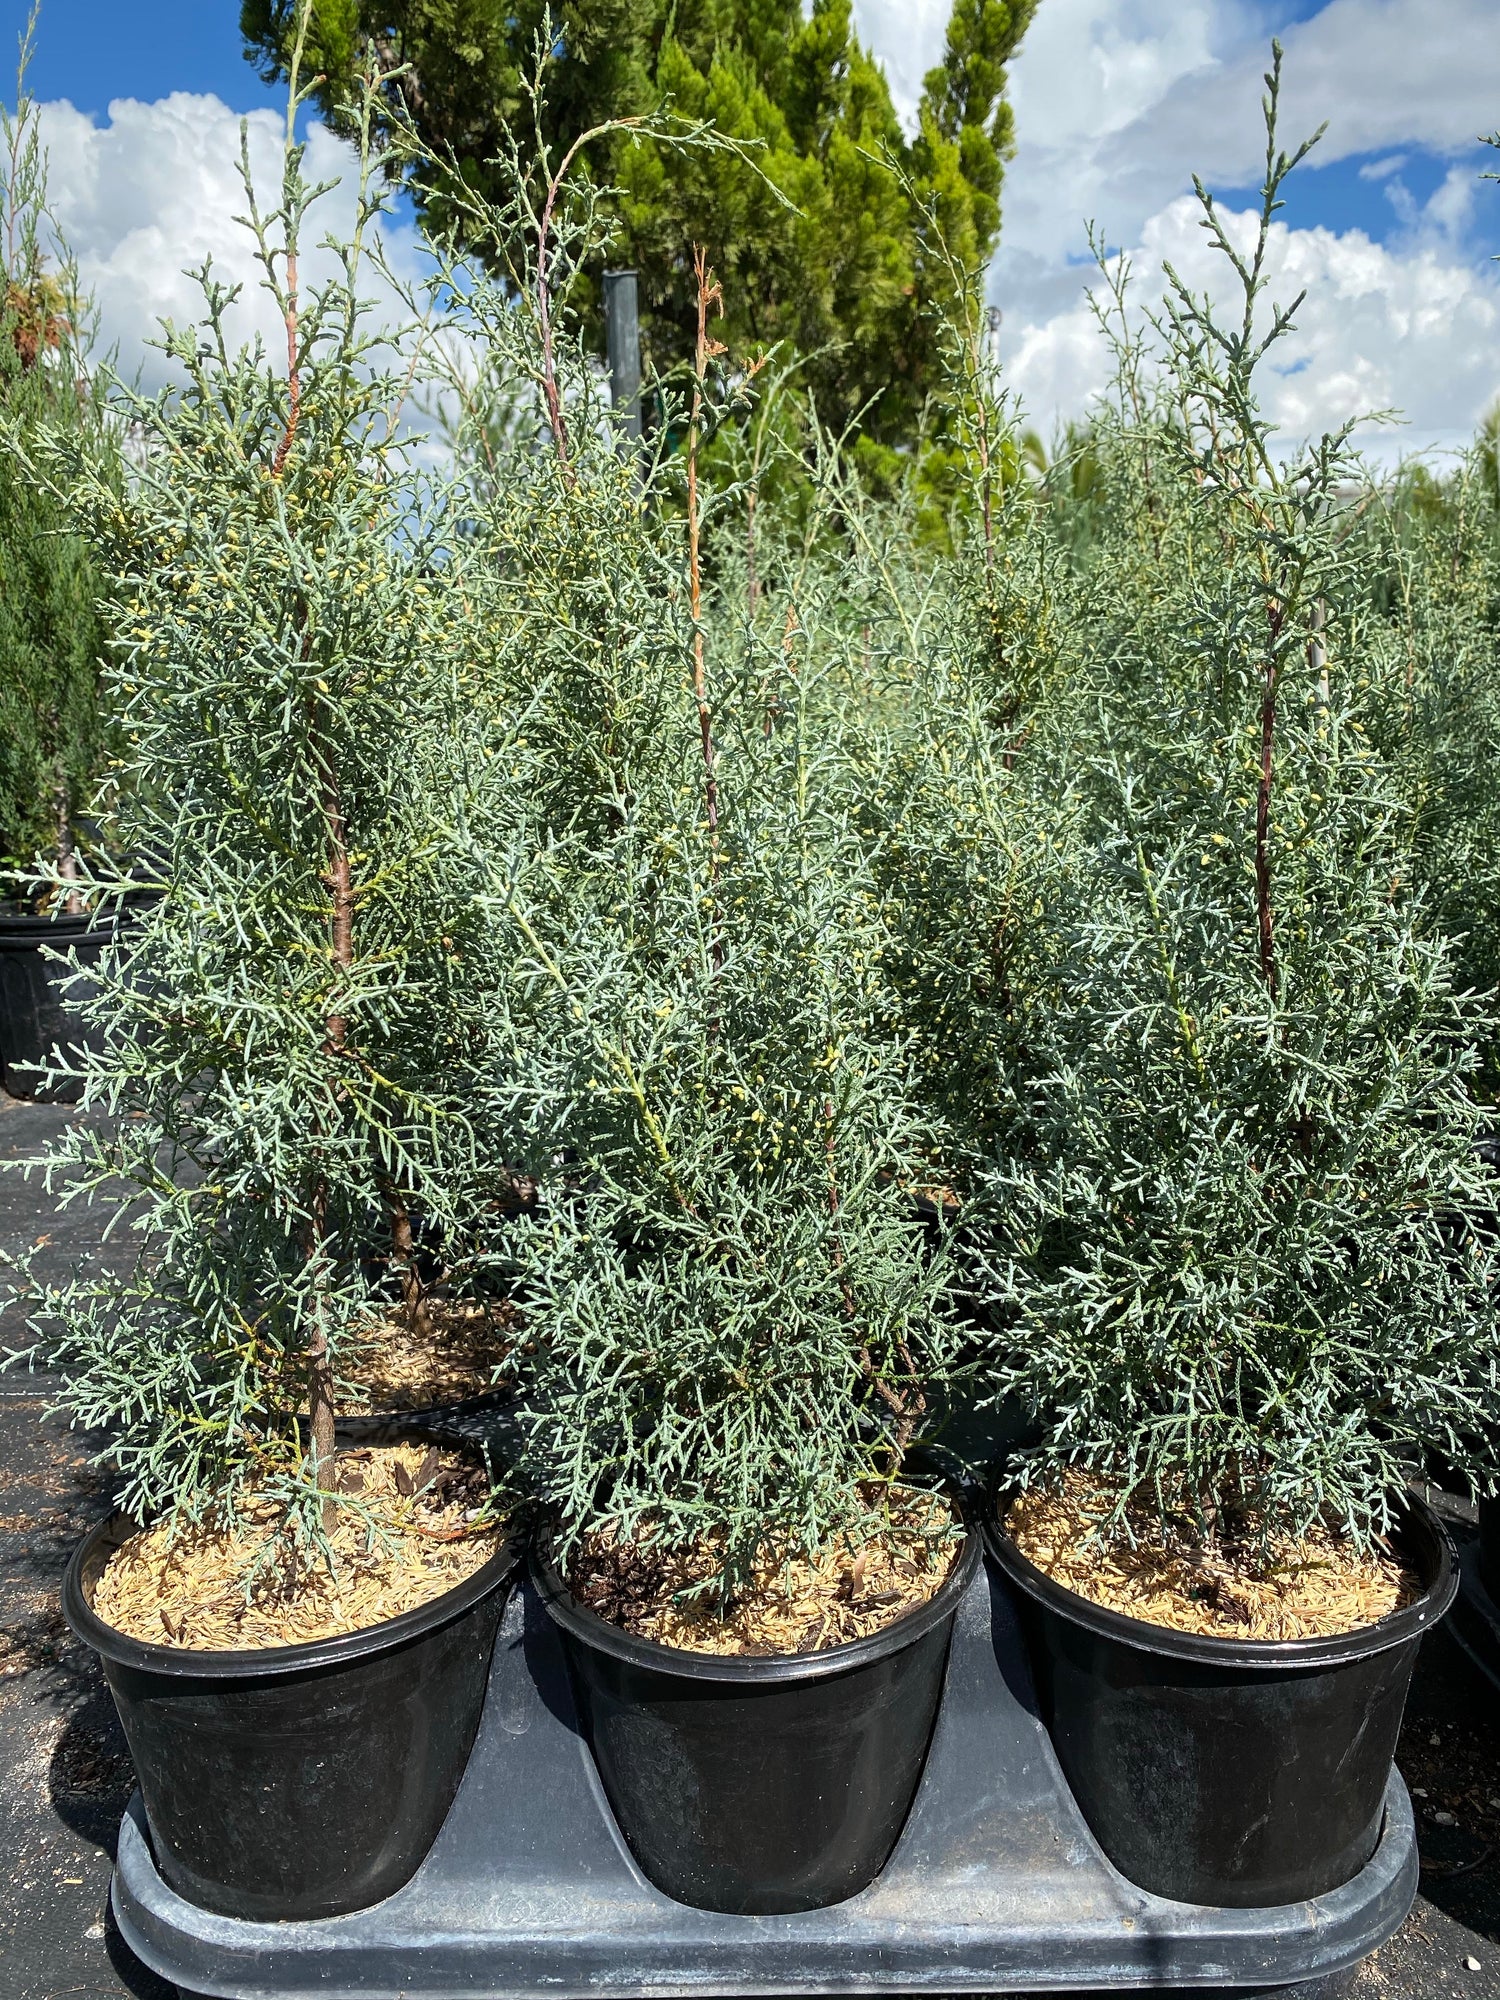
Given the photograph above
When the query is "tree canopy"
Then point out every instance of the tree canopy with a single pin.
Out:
(822, 224)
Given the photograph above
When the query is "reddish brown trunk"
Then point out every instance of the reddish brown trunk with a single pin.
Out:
(320, 1382)
(1263, 814)
(704, 348)
(551, 394)
(413, 1297)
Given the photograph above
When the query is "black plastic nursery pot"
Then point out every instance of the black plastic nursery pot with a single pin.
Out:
(36, 1017)
(1234, 1773)
(760, 1785)
(1475, 1623)
(1489, 1547)
(299, 1781)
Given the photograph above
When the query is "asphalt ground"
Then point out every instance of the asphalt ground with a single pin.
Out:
(65, 1773)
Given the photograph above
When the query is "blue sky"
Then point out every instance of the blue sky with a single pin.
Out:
(91, 51)
(1360, 191)
(1117, 102)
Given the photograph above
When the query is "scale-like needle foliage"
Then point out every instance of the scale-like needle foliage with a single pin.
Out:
(1231, 1228)
(733, 1327)
(736, 1326)
(296, 1001)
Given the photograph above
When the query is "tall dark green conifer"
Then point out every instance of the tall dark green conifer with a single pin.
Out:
(820, 230)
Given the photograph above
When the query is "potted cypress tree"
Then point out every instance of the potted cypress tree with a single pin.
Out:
(54, 730)
(296, 1627)
(1234, 1238)
(733, 1329)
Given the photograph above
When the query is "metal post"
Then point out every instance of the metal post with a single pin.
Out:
(992, 318)
(622, 334)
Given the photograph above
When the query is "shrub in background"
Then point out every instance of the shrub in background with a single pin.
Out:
(1430, 621)
(54, 728)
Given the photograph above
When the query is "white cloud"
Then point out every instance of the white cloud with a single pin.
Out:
(1451, 208)
(907, 37)
(1446, 214)
(1411, 328)
(1087, 67)
(1090, 69)
(1119, 102)
(154, 191)
(1382, 72)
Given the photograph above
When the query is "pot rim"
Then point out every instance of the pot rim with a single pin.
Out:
(23, 932)
(251, 1663)
(738, 1669)
(431, 1417)
(1436, 1560)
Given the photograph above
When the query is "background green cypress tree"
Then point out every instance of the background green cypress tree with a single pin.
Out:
(818, 238)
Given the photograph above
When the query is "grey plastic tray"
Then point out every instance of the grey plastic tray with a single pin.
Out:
(996, 1884)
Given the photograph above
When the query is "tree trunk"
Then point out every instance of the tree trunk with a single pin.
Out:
(413, 1298)
(320, 1385)
(67, 852)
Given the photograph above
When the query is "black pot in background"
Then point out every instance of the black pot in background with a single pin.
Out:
(1489, 1547)
(36, 1017)
(1229, 1772)
(299, 1781)
(759, 1785)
